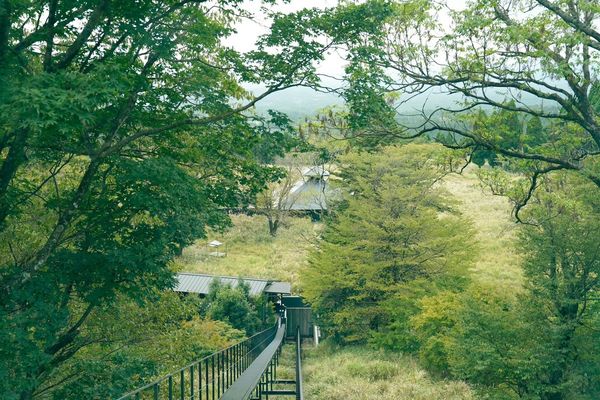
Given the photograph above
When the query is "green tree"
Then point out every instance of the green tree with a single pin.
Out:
(236, 306)
(528, 58)
(499, 343)
(123, 136)
(540, 342)
(394, 238)
(562, 266)
(128, 344)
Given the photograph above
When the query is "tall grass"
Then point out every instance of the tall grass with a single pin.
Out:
(358, 373)
(252, 252)
(498, 264)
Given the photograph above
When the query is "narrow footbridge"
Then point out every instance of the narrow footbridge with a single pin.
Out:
(245, 371)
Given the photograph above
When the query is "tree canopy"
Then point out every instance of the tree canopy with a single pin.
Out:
(395, 235)
(533, 59)
(126, 132)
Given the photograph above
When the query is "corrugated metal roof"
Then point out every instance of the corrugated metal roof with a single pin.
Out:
(279, 287)
(200, 283)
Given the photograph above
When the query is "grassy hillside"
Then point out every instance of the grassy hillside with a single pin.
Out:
(252, 252)
(361, 373)
(498, 264)
(358, 373)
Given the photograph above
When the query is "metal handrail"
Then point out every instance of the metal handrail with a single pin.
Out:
(209, 377)
(259, 375)
(299, 390)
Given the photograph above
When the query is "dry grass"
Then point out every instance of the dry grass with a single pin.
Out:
(361, 374)
(252, 252)
(498, 263)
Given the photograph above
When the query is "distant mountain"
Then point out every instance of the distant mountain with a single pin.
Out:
(301, 102)
(297, 102)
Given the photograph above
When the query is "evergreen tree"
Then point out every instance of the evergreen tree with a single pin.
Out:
(395, 237)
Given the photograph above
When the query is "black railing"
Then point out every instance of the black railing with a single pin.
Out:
(209, 377)
(299, 392)
(260, 376)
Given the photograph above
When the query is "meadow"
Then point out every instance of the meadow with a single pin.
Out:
(363, 373)
(498, 262)
(252, 252)
(360, 373)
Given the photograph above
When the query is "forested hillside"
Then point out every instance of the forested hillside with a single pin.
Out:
(425, 174)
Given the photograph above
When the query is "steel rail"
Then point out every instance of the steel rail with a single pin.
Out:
(299, 391)
(259, 374)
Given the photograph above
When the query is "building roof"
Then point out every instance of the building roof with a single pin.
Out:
(317, 171)
(308, 195)
(200, 283)
(311, 192)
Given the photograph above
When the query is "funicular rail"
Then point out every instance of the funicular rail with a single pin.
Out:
(210, 377)
(258, 379)
(299, 389)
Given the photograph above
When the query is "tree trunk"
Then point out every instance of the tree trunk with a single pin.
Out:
(562, 365)
(61, 225)
(5, 20)
(14, 158)
(567, 312)
(273, 226)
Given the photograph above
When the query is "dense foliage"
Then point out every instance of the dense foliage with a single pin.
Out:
(395, 238)
(392, 267)
(539, 343)
(237, 307)
(124, 133)
(130, 344)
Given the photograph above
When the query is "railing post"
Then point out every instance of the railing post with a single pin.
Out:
(206, 377)
(200, 380)
(182, 384)
(212, 375)
(299, 394)
(192, 382)
(226, 367)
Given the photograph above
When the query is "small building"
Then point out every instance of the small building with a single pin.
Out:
(299, 316)
(297, 311)
(214, 248)
(311, 193)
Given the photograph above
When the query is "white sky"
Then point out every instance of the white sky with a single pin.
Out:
(248, 30)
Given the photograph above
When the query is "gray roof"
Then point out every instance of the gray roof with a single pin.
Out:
(200, 283)
(279, 287)
(308, 195)
(312, 192)
(317, 171)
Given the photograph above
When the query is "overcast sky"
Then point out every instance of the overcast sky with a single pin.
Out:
(248, 30)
